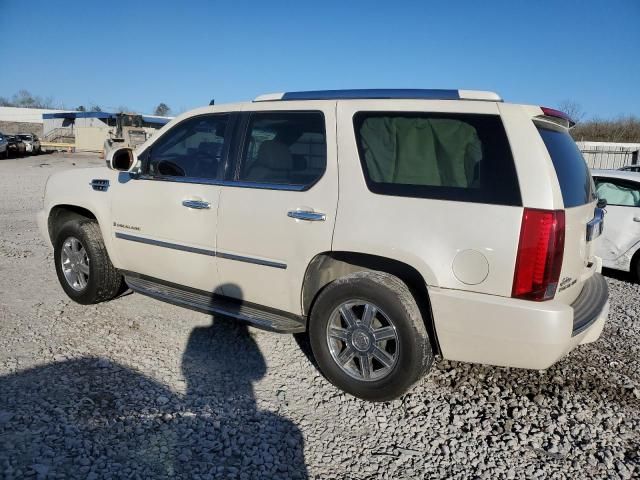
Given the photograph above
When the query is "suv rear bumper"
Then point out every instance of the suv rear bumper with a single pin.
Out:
(480, 328)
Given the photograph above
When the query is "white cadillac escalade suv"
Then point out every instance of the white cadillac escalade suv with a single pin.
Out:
(394, 226)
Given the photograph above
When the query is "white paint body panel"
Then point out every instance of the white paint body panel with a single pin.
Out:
(426, 234)
(153, 210)
(504, 331)
(253, 222)
(72, 187)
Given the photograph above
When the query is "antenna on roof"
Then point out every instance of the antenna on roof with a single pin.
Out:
(212, 102)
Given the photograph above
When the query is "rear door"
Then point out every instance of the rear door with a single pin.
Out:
(277, 211)
(578, 194)
(622, 230)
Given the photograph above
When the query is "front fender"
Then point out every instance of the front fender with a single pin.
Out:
(73, 188)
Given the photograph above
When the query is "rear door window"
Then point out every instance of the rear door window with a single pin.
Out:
(461, 157)
(573, 174)
(284, 148)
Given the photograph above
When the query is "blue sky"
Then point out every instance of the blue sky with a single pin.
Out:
(185, 53)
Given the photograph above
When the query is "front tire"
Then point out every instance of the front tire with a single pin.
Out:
(368, 336)
(84, 269)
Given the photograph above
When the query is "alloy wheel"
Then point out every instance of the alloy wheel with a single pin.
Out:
(363, 340)
(75, 263)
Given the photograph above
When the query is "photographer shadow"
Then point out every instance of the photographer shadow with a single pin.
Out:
(90, 417)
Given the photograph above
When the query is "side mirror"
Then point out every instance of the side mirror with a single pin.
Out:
(602, 203)
(122, 159)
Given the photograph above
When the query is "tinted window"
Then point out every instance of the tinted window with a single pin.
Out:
(618, 192)
(192, 148)
(573, 174)
(284, 148)
(436, 155)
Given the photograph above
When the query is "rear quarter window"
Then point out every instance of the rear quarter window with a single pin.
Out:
(459, 157)
(573, 174)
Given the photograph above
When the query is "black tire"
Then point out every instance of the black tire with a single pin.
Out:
(414, 355)
(104, 282)
(635, 267)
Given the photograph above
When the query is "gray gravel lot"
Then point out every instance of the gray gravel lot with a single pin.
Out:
(135, 388)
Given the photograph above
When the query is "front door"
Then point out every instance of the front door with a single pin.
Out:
(278, 210)
(165, 219)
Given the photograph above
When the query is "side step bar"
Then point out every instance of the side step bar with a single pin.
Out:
(266, 319)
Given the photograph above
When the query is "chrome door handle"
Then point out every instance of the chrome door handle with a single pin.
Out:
(307, 215)
(197, 204)
(636, 219)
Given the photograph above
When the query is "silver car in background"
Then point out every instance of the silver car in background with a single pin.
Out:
(31, 141)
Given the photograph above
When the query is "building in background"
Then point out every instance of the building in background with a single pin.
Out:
(610, 154)
(81, 131)
(88, 131)
(23, 120)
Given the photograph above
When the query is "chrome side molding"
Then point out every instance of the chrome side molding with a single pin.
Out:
(160, 243)
(200, 251)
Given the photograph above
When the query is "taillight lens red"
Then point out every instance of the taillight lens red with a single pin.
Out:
(540, 254)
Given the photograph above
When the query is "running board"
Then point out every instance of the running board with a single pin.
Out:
(274, 321)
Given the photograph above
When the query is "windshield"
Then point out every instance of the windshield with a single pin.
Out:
(573, 174)
(25, 137)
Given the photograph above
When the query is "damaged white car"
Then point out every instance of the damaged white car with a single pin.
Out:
(620, 244)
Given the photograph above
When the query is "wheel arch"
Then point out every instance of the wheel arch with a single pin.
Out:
(634, 262)
(63, 213)
(326, 267)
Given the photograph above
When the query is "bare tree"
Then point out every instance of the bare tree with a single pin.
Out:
(25, 99)
(162, 110)
(573, 109)
(622, 129)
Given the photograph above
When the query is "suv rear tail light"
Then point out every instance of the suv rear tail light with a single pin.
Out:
(540, 253)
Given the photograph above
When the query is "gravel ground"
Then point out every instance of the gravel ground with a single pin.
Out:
(140, 389)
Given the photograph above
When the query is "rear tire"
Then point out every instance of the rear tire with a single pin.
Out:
(368, 336)
(635, 267)
(84, 269)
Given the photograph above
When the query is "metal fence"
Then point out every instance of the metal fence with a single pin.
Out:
(610, 155)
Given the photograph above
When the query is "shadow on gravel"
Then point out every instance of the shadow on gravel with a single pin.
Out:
(618, 275)
(90, 418)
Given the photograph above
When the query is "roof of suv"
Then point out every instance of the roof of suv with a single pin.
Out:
(382, 93)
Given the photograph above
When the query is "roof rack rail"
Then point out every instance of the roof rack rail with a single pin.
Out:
(382, 93)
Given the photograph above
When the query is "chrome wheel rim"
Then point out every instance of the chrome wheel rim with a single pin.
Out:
(363, 340)
(75, 264)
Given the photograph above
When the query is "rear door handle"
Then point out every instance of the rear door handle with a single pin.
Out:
(197, 204)
(307, 215)
(636, 219)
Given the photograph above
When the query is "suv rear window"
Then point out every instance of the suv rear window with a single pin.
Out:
(460, 157)
(573, 174)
